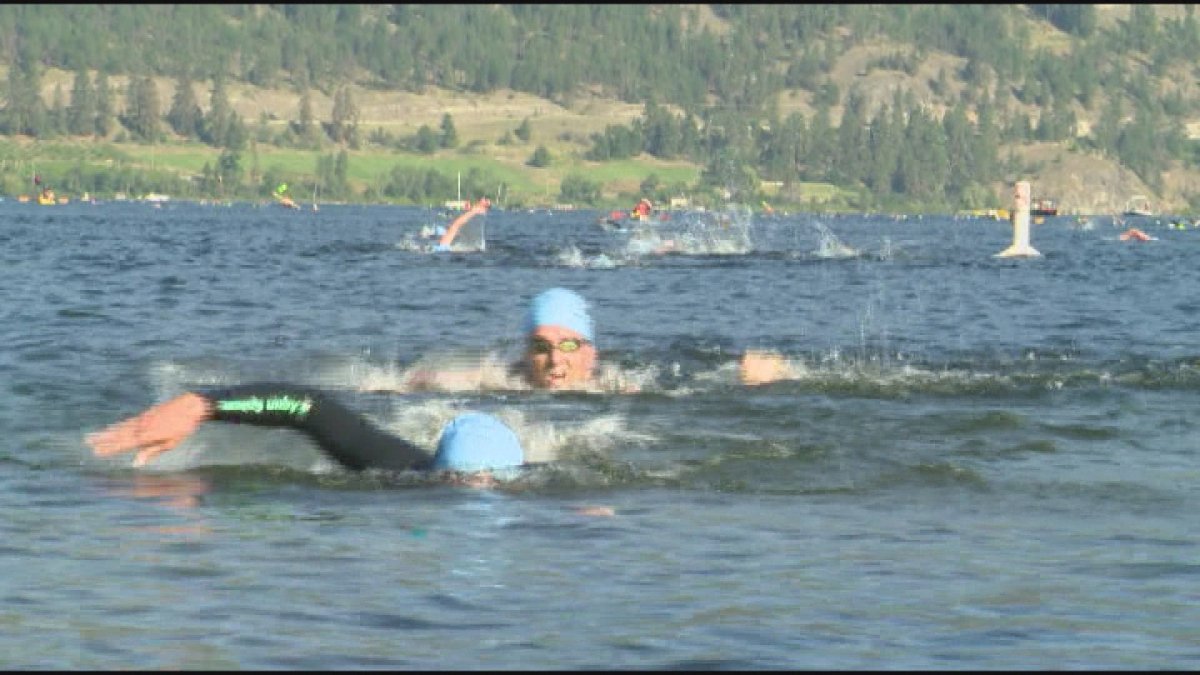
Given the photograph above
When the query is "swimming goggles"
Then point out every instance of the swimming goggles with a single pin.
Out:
(566, 345)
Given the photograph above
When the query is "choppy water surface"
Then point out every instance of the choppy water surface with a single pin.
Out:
(981, 463)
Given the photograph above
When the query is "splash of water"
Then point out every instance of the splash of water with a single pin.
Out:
(571, 256)
(724, 232)
(830, 246)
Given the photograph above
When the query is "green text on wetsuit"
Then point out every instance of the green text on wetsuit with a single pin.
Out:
(297, 407)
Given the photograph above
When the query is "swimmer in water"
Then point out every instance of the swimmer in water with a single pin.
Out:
(474, 448)
(560, 354)
(447, 237)
(1134, 234)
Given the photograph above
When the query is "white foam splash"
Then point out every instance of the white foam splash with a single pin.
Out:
(724, 232)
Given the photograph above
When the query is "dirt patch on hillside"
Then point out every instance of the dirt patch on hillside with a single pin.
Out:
(858, 70)
(475, 116)
(1084, 183)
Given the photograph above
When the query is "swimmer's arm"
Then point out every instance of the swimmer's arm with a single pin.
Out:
(342, 434)
(452, 230)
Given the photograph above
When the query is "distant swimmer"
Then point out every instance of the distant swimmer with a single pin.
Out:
(480, 206)
(642, 210)
(1134, 234)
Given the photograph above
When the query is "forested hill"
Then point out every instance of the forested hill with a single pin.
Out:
(938, 103)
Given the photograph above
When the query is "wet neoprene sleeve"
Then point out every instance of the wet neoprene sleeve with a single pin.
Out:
(341, 433)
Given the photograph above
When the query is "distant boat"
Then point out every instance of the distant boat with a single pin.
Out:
(995, 214)
(1044, 207)
(46, 197)
(1138, 205)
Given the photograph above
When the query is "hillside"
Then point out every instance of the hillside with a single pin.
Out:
(1080, 182)
(1085, 181)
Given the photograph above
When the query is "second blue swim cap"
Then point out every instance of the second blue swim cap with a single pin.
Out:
(477, 441)
(560, 307)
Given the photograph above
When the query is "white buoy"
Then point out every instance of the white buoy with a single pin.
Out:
(1020, 247)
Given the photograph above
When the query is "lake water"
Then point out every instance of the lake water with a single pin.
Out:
(981, 463)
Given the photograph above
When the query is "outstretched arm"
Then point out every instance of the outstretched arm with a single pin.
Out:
(454, 227)
(342, 434)
(155, 431)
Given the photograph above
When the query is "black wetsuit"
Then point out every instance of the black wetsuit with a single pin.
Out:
(341, 433)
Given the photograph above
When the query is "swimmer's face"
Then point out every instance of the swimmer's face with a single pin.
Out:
(559, 358)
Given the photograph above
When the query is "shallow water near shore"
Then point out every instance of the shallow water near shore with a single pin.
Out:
(980, 462)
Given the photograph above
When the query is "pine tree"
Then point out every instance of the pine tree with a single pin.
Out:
(185, 116)
(104, 106)
(236, 134)
(25, 112)
(426, 141)
(343, 121)
(305, 124)
(81, 116)
(1108, 128)
(216, 122)
(987, 142)
(58, 112)
(449, 134)
(851, 161)
(959, 148)
(142, 114)
(885, 152)
(523, 130)
(540, 158)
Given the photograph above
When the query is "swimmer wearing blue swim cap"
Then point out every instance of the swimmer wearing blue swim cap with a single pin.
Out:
(560, 307)
(477, 441)
(561, 352)
(471, 442)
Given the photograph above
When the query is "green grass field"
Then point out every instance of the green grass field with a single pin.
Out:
(522, 184)
(369, 166)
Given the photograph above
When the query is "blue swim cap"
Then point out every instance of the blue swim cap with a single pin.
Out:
(560, 307)
(476, 441)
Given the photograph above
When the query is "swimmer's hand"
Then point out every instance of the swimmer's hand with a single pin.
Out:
(763, 367)
(155, 431)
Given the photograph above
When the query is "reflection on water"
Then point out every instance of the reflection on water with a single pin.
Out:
(180, 492)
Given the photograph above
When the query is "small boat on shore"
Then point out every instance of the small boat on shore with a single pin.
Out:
(1138, 205)
(1044, 207)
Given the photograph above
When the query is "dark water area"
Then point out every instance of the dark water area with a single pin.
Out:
(977, 463)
